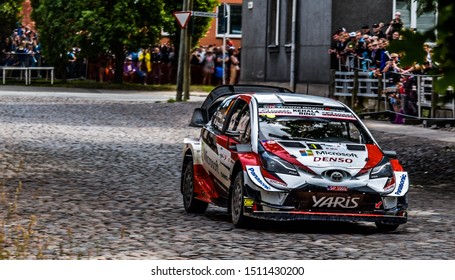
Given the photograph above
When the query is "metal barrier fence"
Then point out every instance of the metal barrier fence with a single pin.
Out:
(414, 98)
(25, 73)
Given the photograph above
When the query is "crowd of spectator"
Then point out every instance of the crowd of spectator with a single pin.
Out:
(21, 48)
(152, 65)
(367, 50)
(216, 65)
(210, 65)
(156, 65)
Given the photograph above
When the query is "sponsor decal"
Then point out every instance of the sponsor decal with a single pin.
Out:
(336, 115)
(224, 176)
(257, 178)
(337, 188)
(330, 153)
(306, 153)
(272, 182)
(314, 146)
(378, 205)
(333, 159)
(225, 156)
(289, 111)
(401, 184)
(305, 111)
(248, 202)
(213, 164)
(334, 202)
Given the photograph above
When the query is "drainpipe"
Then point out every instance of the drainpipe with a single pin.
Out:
(292, 80)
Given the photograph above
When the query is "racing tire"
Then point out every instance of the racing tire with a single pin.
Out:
(191, 204)
(383, 227)
(237, 193)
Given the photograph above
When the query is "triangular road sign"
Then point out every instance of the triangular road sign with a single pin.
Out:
(182, 17)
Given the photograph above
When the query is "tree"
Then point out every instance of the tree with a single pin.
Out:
(442, 34)
(112, 26)
(198, 25)
(118, 26)
(9, 16)
(56, 21)
(107, 26)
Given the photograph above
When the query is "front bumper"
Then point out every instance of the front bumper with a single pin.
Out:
(322, 205)
(400, 218)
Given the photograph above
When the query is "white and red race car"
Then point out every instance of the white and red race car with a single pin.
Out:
(267, 153)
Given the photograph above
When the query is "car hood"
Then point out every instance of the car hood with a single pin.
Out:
(316, 155)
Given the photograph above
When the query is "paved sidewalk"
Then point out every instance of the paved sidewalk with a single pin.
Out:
(97, 94)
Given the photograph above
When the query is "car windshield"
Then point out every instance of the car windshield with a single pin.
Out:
(279, 122)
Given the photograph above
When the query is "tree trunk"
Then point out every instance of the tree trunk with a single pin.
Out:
(119, 60)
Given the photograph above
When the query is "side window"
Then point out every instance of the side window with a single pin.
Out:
(240, 121)
(220, 114)
(354, 134)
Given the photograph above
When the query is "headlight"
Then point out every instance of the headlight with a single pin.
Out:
(275, 164)
(383, 169)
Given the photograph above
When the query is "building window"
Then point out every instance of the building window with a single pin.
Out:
(274, 23)
(230, 20)
(410, 17)
(289, 9)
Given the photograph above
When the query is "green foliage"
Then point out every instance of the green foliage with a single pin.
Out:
(442, 35)
(9, 16)
(55, 20)
(198, 25)
(108, 26)
(118, 26)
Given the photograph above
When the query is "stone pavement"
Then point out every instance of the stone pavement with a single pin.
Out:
(164, 96)
(413, 130)
(100, 179)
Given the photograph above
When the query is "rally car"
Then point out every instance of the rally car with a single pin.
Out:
(268, 153)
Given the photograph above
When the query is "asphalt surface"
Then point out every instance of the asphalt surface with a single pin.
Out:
(96, 176)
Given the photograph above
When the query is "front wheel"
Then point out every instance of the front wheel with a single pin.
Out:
(191, 204)
(237, 214)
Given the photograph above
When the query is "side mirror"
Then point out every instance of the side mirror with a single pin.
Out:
(230, 134)
(198, 120)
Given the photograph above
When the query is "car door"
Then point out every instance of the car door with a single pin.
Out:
(212, 138)
(235, 131)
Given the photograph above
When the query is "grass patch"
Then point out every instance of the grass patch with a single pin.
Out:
(20, 239)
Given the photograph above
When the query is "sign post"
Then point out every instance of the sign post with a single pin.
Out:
(183, 70)
(205, 14)
(182, 18)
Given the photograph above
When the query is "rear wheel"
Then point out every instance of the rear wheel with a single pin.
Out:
(237, 214)
(191, 204)
(386, 227)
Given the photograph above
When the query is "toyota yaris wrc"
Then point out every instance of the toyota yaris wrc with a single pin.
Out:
(267, 153)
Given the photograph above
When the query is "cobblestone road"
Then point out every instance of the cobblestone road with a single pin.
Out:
(101, 179)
